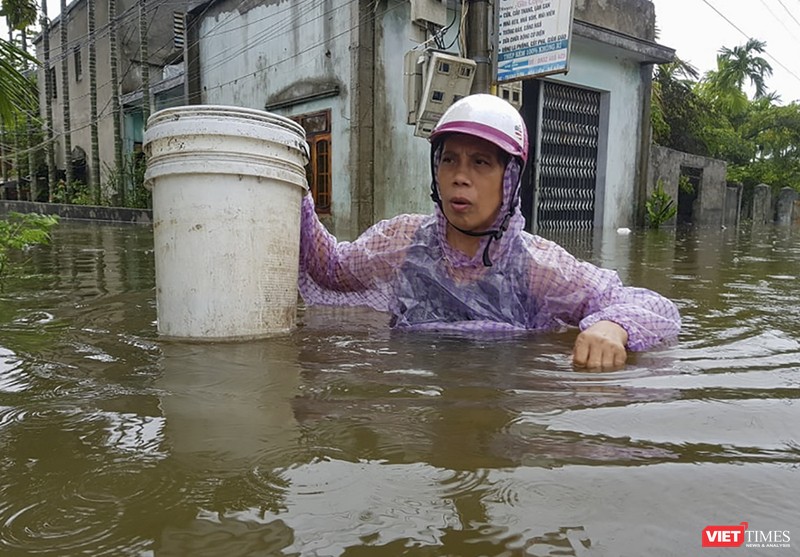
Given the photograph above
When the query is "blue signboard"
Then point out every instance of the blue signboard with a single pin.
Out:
(533, 38)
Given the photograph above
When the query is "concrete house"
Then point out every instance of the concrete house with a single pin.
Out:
(337, 67)
(166, 42)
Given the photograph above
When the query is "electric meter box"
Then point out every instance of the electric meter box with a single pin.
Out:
(447, 78)
(425, 12)
(511, 91)
(414, 68)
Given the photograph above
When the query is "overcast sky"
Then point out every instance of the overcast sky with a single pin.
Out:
(697, 32)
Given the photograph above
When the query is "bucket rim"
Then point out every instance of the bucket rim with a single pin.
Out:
(212, 110)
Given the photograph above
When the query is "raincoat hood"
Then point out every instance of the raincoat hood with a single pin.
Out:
(506, 226)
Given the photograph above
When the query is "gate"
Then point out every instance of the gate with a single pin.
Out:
(565, 198)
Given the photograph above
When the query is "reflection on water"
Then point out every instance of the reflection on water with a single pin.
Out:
(345, 438)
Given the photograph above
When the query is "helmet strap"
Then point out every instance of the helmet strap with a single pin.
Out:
(496, 234)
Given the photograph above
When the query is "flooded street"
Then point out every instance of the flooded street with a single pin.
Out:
(347, 439)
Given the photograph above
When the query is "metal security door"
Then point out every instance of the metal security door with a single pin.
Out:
(567, 173)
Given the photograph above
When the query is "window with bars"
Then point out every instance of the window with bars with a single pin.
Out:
(178, 30)
(318, 172)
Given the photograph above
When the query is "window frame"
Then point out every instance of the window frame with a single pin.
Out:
(319, 168)
(178, 30)
(77, 62)
(51, 75)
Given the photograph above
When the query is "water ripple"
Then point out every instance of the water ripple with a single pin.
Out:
(700, 430)
(464, 482)
(12, 376)
(67, 524)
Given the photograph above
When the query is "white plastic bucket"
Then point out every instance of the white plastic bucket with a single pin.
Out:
(227, 186)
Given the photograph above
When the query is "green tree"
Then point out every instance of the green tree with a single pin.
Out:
(742, 63)
(681, 117)
(773, 132)
(15, 89)
(20, 14)
(725, 85)
(669, 80)
(19, 231)
(759, 139)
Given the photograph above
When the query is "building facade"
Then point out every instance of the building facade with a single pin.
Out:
(165, 45)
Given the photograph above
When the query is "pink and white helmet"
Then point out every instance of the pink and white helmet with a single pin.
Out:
(488, 117)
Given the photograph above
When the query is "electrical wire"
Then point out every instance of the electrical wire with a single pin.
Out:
(439, 35)
(301, 52)
(462, 29)
(788, 12)
(273, 32)
(102, 115)
(775, 16)
(129, 31)
(732, 24)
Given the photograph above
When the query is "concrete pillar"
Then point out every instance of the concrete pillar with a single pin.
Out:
(733, 200)
(362, 109)
(762, 204)
(785, 206)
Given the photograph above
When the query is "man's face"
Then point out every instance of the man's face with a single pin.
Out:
(470, 180)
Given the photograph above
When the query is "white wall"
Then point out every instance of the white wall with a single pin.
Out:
(619, 80)
(402, 160)
(281, 50)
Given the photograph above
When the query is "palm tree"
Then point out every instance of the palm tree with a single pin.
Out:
(741, 63)
(15, 89)
(671, 82)
(17, 92)
(724, 87)
(20, 13)
(677, 70)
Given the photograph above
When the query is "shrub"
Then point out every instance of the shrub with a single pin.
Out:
(660, 206)
(20, 231)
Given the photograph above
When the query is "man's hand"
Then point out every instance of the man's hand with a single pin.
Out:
(601, 347)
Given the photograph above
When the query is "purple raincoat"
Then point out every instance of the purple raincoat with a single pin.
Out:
(405, 266)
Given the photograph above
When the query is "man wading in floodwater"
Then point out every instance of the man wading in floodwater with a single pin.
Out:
(470, 266)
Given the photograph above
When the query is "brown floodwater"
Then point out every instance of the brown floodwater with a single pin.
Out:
(344, 438)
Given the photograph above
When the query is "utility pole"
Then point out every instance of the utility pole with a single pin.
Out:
(363, 117)
(478, 44)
